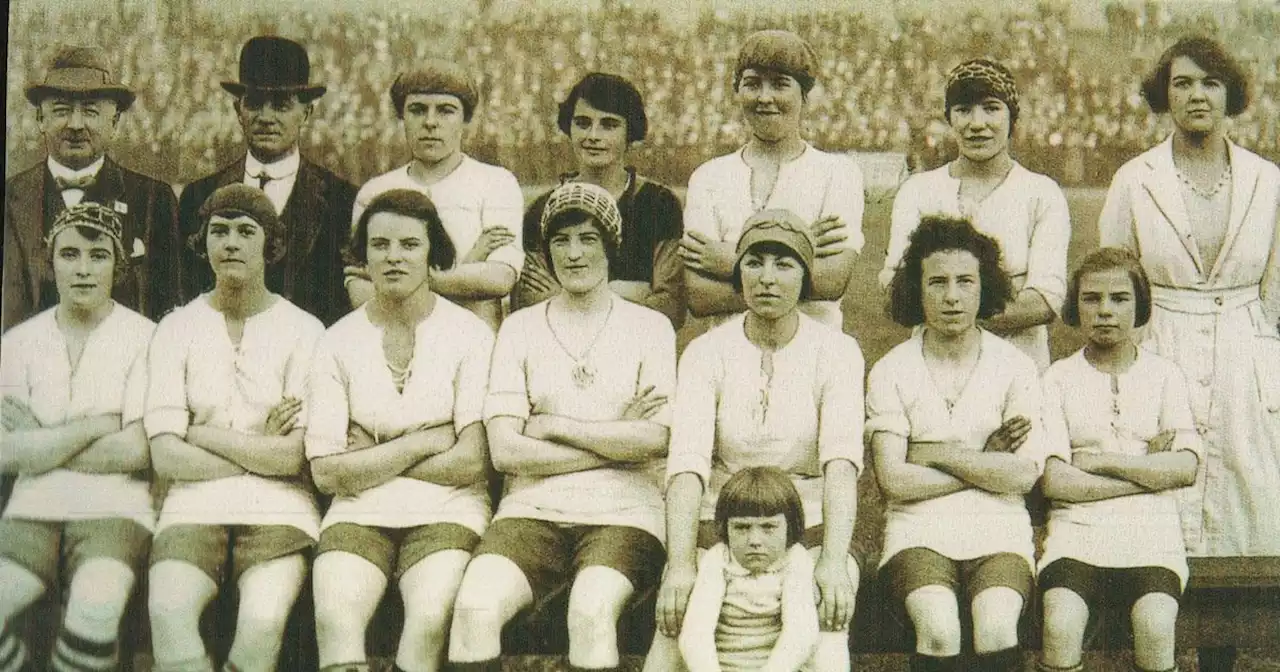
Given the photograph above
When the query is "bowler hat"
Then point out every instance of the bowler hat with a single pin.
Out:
(81, 72)
(275, 65)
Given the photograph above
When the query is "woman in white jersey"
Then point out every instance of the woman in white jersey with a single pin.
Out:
(775, 170)
(480, 204)
(1024, 211)
(953, 421)
(1122, 441)
(73, 380)
(397, 391)
(577, 419)
(227, 376)
(771, 387)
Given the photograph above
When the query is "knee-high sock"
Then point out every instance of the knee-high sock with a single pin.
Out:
(13, 651)
(73, 652)
(1004, 660)
(923, 663)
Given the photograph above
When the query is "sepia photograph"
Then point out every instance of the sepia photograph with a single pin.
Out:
(641, 335)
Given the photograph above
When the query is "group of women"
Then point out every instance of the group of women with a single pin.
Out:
(611, 459)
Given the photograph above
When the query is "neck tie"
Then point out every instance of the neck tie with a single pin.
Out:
(263, 179)
(80, 182)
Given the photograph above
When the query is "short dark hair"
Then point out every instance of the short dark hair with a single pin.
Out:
(760, 491)
(573, 217)
(121, 264)
(1105, 259)
(942, 233)
(274, 248)
(1213, 58)
(409, 203)
(607, 93)
(778, 250)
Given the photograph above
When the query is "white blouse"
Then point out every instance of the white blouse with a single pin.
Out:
(350, 383)
(1083, 411)
(532, 374)
(110, 378)
(729, 415)
(903, 400)
(199, 377)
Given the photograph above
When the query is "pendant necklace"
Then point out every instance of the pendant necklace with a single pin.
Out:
(583, 373)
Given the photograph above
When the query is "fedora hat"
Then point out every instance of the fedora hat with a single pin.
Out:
(80, 72)
(274, 64)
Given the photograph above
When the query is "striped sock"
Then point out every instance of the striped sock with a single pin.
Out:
(75, 653)
(13, 652)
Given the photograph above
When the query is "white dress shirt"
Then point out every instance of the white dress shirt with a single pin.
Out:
(74, 196)
(281, 176)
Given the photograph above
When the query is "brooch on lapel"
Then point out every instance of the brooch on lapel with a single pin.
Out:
(121, 207)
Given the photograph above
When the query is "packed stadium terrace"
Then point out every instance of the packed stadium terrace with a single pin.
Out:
(880, 90)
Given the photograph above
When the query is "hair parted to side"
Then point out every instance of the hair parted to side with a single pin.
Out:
(1213, 58)
(408, 203)
(607, 93)
(1105, 259)
(760, 492)
(942, 233)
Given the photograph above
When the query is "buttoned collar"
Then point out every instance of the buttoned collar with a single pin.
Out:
(60, 171)
(279, 170)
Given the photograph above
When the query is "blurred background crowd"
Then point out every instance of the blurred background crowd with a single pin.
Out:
(880, 88)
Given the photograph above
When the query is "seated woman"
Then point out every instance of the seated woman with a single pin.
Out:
(778, 170)
(73, 380)
(577, 419)
(227, 375)
(1122, 441)
(953, 420)
(397, 391)
(771, 387)
(603, 116)
(479, 204)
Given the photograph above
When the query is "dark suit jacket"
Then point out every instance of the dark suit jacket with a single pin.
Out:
(318, 219)
(31, 203)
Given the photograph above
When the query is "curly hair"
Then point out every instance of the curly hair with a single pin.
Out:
(760, 491)
(1105, 259)
(942, 233)
(1213, 58)
(441, 253)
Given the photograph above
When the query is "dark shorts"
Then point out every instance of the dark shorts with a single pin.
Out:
(393, 550)
(38, 545)
(916, 568)
(1109, 586)
(548, 552)
(206, 546)
(709, 536)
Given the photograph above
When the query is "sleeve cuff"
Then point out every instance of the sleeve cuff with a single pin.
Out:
(322, 447)
(506, 403)
(688, 464)
(898, 425)
(166, 421)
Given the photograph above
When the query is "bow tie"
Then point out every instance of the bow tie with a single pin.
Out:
(80, 182)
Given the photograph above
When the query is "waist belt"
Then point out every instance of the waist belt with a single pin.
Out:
(1203, 302)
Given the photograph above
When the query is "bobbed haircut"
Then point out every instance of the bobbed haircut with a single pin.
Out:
(1106, 259)
(1213, 58)
(573, 217)
(760, 492)
(779, 250)
(607, 93)
(407, 203)
(945, 233)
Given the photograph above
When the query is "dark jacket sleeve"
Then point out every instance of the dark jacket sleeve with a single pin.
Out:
(164, 273)
(342, 198)
(193, 270)
(668, 270)
(17, 292)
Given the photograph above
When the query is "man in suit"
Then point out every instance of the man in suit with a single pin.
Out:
(78, 106)
(273, 100)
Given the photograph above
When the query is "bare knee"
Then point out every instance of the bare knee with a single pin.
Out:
(593, 619)
(995, 619)
(1065, 617)
(936, 619)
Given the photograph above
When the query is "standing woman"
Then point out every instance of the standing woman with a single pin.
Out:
(1024, 211)
(73, 379)
(1203, 216)
(479, 204)
(397, 389)
(1121, 442)
(228, 373)
(577, 419)
(953, 420)
(603, 116)
(776, 169)
(771, 387)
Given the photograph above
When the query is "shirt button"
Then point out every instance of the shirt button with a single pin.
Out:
(1217, 300)
(1204, 331)
(1206, 381)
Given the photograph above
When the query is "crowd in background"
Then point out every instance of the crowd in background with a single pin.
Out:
(879, 90)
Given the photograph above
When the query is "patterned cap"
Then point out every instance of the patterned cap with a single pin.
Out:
(588, 198)
(93, 216)
(982, 77)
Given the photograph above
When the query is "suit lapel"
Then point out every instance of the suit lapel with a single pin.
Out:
(1245, 175)
(1165, 190)
(108, 187)
(303, 211)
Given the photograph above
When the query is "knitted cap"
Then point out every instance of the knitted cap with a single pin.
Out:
(587, 198)
(780, 51)
(93, 216)
(436, 76)
(980, 78)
